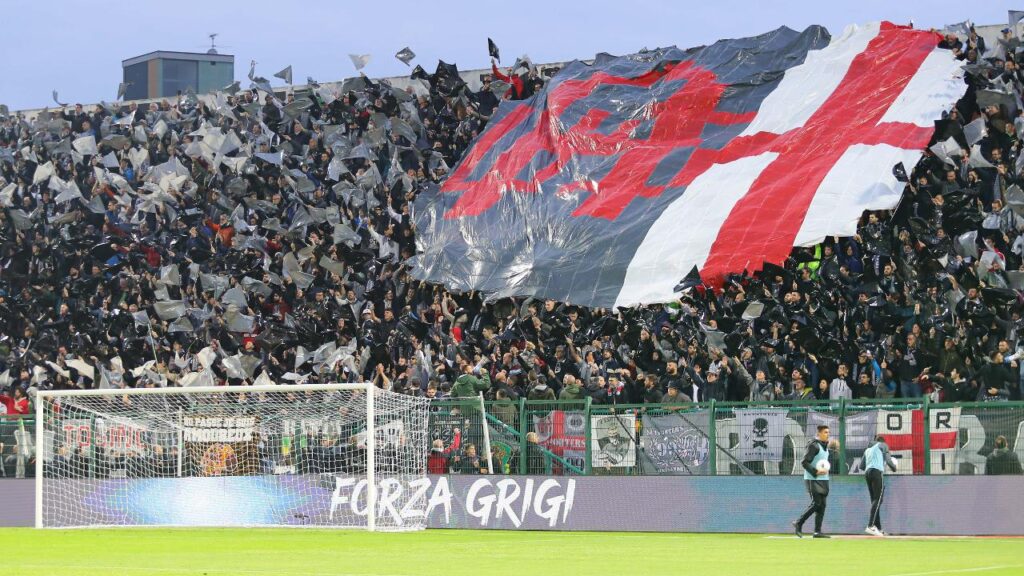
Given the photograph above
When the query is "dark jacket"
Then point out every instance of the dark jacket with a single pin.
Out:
(995, 376)
(652, 396)
(466, 465)
(596, 394)
(811, 452)
(538, 393)
(1002, 461)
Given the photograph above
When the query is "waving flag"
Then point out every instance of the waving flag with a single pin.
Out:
(611, 184)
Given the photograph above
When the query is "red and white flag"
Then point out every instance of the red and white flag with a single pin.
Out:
(818, 154)
(903, 431)
(611, 184)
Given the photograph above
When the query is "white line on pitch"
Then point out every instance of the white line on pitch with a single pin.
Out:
(123, 569)
(865, 537)
(959, 570)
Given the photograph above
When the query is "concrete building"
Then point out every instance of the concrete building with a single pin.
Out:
(163, 74)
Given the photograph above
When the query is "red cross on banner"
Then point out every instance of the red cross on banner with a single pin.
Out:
(619, 177)
(903, 431)
(678, 122)
(782, 193)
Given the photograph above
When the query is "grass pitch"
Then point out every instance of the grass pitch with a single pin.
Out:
(216, 552)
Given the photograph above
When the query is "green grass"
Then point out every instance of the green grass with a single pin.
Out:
(216, 552)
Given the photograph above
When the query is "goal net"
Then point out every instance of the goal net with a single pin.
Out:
(299, 455)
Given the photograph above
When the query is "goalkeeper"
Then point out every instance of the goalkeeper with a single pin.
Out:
(816, 478)
(876, 458)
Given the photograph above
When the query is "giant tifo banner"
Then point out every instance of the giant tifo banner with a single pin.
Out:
(621, 176)
(978, 505)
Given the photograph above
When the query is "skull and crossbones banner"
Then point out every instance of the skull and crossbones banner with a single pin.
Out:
(761, 434)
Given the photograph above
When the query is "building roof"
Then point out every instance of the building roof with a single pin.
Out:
(171, 55)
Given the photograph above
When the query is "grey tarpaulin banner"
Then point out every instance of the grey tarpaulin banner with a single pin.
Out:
(442, 426)
(676, 444)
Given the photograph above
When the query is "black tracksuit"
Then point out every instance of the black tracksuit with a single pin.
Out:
(876, 485)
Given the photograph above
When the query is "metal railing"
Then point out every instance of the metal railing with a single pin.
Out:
(732, 438)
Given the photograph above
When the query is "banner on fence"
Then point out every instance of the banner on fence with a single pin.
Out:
(221, 445)
(442, 425)
(388, 435)
(860, 432)
(944, 439)
(612, 441)
(903, 431)
(676, 444)
(504, 442)
(116, 437)
(761, 434)
(563, 433)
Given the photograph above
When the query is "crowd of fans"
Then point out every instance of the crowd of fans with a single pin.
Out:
(238, 239)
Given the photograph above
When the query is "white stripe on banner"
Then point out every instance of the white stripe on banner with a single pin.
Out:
(852, 186)
(682, 236)
(934, 89)
(805, 88)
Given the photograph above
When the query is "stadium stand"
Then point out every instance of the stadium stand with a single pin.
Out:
(242, 238)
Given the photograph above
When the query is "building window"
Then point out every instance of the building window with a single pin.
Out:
(179, 76)
(137, 77)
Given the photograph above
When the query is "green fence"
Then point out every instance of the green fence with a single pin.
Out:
(569, 438)
(726, 438)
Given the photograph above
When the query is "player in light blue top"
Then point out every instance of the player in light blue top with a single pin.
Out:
(876, 458)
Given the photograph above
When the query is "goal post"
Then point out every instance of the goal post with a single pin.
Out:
(316, 455)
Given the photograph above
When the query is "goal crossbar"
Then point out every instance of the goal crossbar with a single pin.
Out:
(284, 388)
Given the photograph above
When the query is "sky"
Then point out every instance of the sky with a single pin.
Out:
(76, 47)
